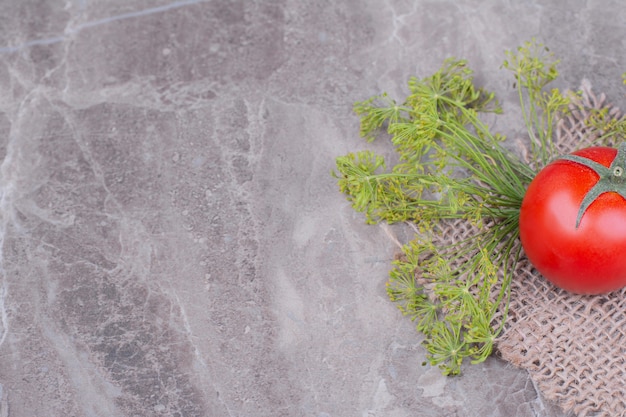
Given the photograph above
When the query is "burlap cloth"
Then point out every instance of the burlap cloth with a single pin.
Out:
(574, 347)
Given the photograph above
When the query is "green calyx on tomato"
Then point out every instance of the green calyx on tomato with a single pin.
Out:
(612, 179)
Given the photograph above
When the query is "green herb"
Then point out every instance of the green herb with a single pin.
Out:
(453, 168)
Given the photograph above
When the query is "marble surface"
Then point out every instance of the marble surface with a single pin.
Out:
(172, 241)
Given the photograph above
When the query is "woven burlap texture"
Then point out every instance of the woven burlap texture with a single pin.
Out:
(573, 346)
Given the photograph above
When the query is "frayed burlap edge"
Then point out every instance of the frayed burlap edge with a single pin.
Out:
(573, 346)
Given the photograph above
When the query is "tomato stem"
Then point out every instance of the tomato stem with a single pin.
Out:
(612, 179)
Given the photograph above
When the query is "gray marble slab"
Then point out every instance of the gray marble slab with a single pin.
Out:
(172, 241)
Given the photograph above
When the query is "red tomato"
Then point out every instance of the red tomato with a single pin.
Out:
(573, 221)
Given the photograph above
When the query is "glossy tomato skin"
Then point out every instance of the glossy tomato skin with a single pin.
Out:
(590, 259)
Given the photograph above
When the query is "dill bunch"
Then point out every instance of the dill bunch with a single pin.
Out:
(452, 167)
